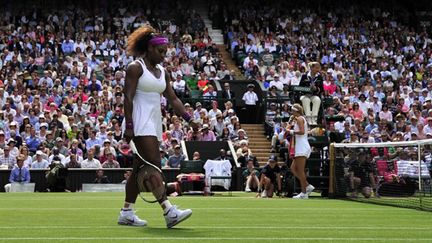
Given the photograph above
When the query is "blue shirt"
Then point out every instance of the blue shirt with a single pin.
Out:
(33, 143)
(67, 47)
(174, 160)
(370, 127)
(19, 175)
(92, 142)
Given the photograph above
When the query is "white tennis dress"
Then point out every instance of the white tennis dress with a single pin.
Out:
(147, 115)
(302, 147)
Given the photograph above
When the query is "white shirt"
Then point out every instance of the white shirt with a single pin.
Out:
(212, 113)
(179, 85)
(250, 98)
(94, 163)
(40, 165)
(376, 107)
(61, 156)
(427, 129)
(277, 84)
(364, 106)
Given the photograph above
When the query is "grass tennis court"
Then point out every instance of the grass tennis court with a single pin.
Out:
(91, 217)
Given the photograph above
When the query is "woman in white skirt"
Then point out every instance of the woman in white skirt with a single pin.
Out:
(146, 80)
(302, 150)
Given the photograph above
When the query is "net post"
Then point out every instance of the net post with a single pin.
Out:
(331, 174)
(419, 177)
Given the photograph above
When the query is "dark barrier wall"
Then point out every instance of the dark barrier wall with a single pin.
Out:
(207, 150)
(76, 177)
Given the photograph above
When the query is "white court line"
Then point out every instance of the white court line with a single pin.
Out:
(216, 238)
(116, 197)
(228, 227)
(204, 209)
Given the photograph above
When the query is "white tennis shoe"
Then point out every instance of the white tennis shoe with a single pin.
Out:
(309, 189)
(174, 216)
(301, 196)
(128, 217)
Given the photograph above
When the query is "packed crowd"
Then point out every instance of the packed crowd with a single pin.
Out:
(62, 74)
(376, 68)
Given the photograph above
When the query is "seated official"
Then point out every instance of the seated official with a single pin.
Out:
(314, 80)
(19, 174)
(224, 156)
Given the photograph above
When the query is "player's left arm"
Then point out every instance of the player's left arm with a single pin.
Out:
(172, 98)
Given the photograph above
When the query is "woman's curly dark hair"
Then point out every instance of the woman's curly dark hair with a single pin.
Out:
(138, 41)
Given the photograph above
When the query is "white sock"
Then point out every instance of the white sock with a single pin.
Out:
(129, 207)
(166, 205)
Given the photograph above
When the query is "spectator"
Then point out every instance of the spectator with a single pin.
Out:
(206, 134)
(6, 160)
(175, 159)
(196, 156)
(93, 140)
(101, 178)
(227, 93)
(2, 140)
(73, 162)
(214, 110)
(91, 162)
(250, 176)
(33, 141)
(24, 152)
(40, 162)
(13, 150)
(60, 146)
(179, 86)
(164, 159)
(56, 154)
(110, 162)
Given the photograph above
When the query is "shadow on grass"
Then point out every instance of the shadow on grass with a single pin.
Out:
(174, 232)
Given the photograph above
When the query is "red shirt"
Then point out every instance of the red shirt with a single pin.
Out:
(202, 85)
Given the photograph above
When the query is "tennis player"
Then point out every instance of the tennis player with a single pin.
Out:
(302, 150)
(145, 81)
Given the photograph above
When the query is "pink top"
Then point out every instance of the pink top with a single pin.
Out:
(208, 136)
(330, 88)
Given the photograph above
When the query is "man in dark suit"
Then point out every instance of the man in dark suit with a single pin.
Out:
(227, 93)
(223, 156)
(314, 80)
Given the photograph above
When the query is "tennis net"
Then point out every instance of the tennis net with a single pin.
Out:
(391, 173)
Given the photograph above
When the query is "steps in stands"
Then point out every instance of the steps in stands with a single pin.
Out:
(226, 56)
(217, 37)
(215, 34)
(258, 143)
